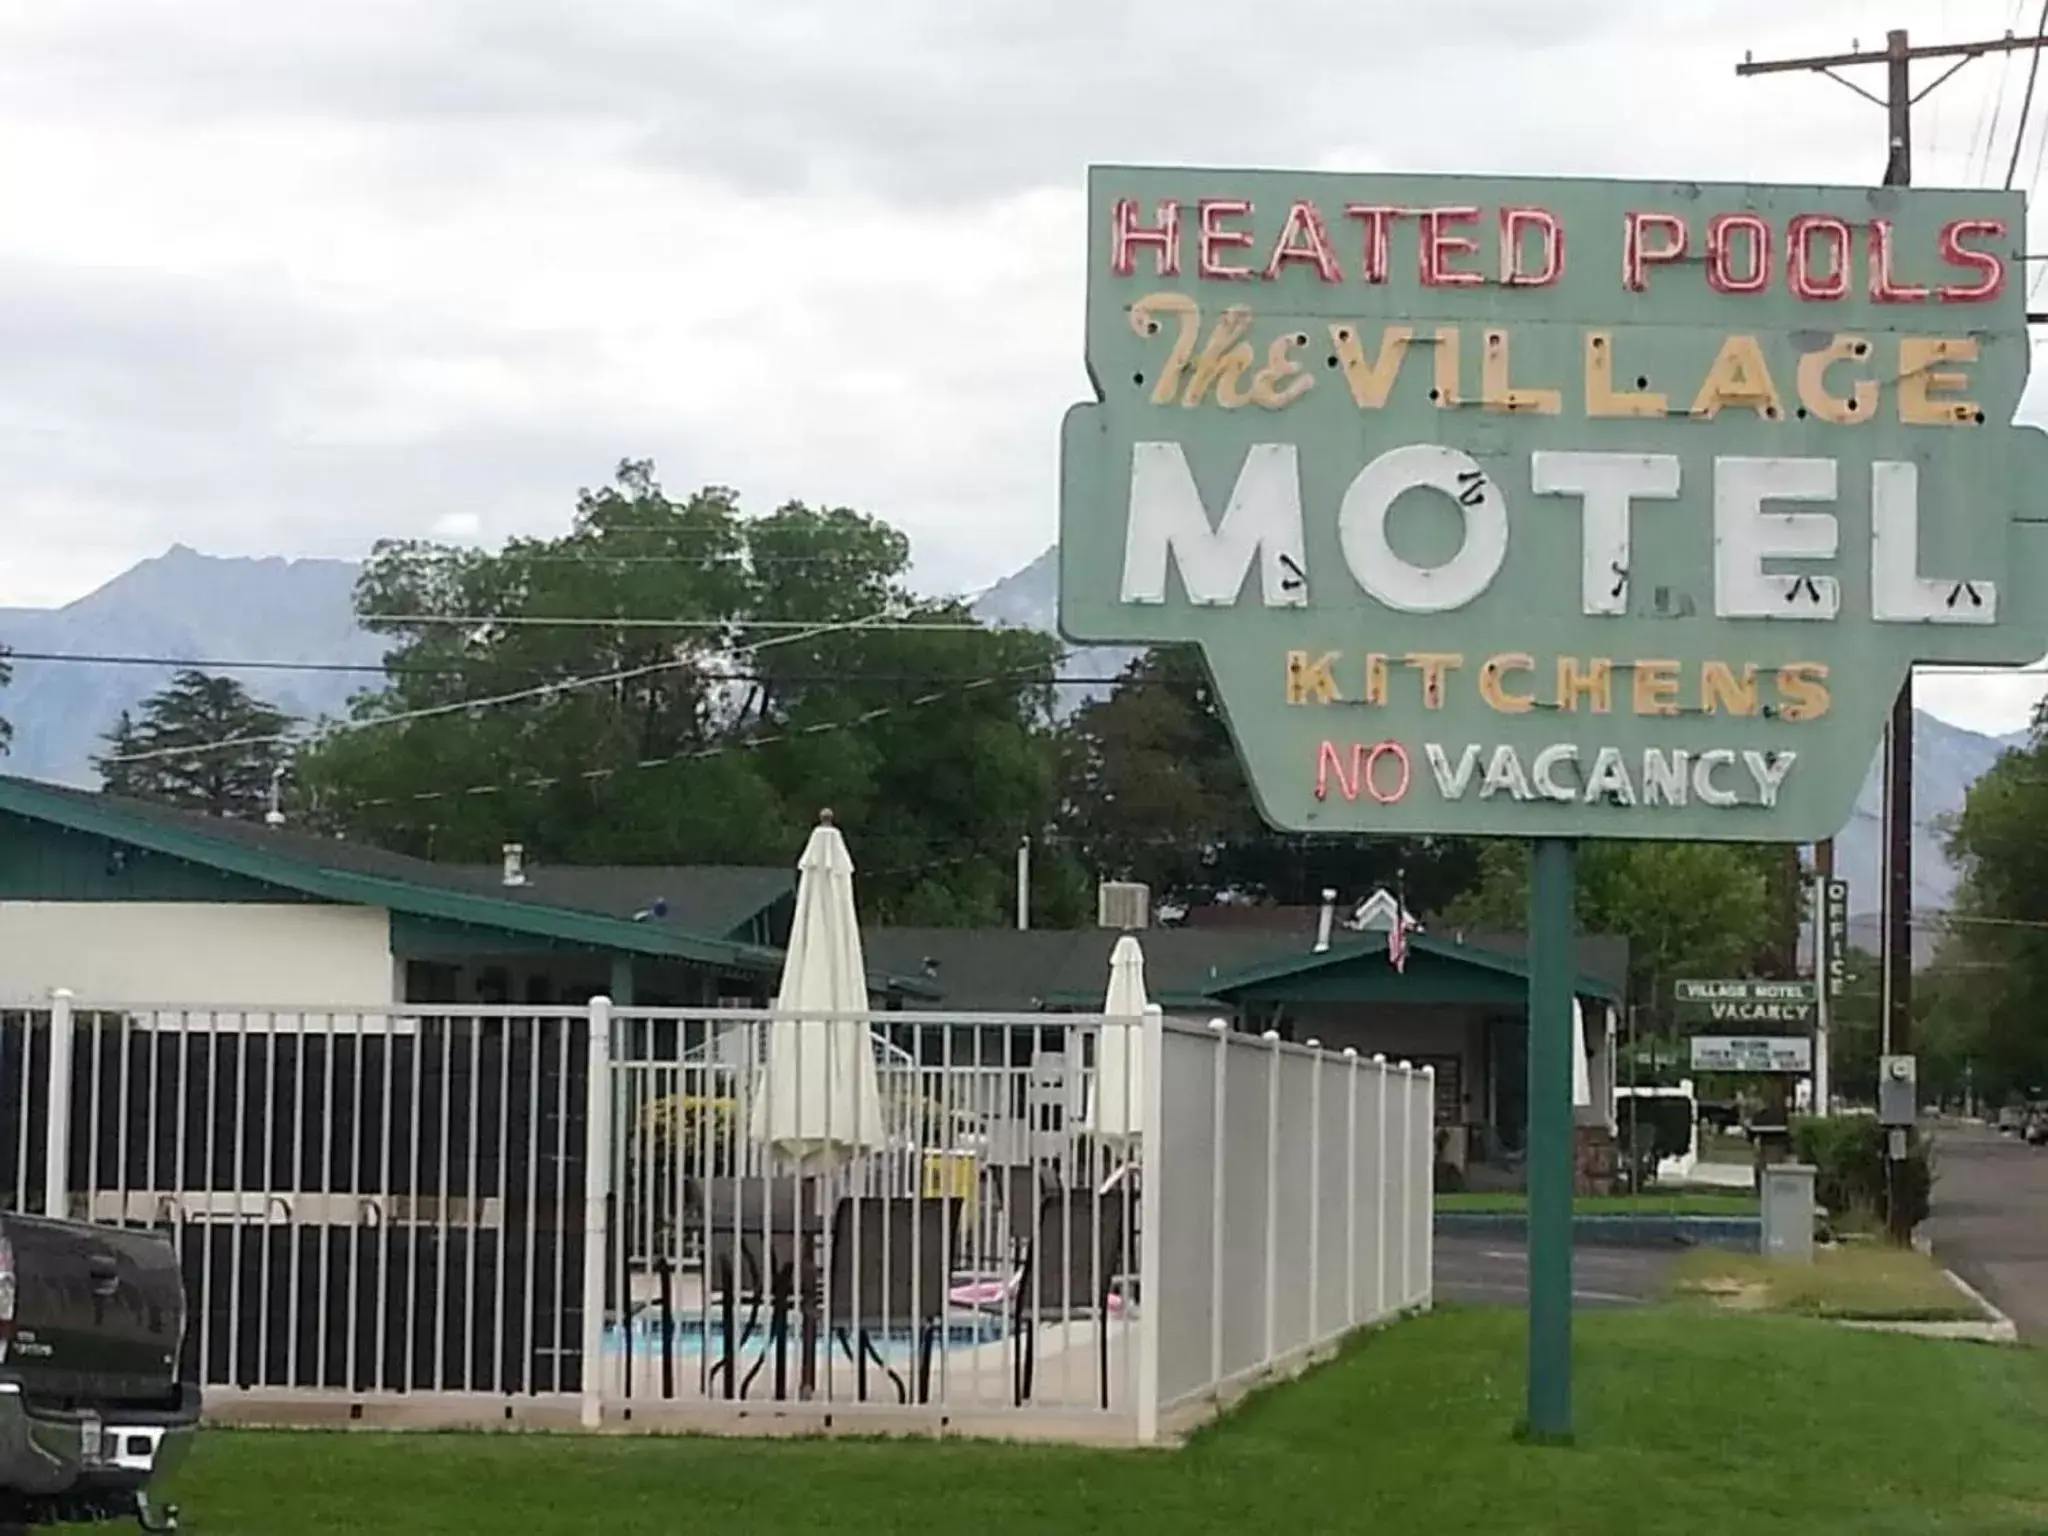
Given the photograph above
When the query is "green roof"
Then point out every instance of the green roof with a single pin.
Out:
(1511, 966)
(588, 906)
(1008, 970)
(717, 900)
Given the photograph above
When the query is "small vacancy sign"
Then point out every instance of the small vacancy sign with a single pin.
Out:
(1746, 1002)
(1751, 1053)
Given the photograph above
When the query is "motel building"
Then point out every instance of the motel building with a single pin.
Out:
(259, 1009)
(1458, 1004)
(171, 918)
(255, 1010)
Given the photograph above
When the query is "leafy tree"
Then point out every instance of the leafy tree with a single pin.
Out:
(1154, 790)
(675, 682)
(202, 742)
(1950, 1025)
(1687, 909)
(1992, 1001)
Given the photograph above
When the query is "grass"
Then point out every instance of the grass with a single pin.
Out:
(1705, 1202)
(1870, 1281)
(1816, 1430)
(1718, 1148)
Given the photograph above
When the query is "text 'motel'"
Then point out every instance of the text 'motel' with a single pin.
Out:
(1543, 508)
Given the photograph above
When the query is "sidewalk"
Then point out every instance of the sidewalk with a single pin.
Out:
(1722, 1175)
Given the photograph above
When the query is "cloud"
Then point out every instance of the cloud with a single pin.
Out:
(284, 278)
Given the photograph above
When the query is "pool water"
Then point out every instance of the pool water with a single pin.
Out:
(695, 1336)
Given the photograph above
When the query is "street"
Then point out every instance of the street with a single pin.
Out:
(1485, 1270)
(1990, 1220)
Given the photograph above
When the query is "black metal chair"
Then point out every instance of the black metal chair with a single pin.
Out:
(1016, 1192)
(1077, 1257)
(757, 1233)
(891, 1268)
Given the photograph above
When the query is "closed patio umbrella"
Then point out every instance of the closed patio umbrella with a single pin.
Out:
(816, 1100)
(1582, 1073)
(1112, 1111)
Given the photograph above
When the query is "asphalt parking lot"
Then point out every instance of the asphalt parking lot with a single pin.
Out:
(1484, 1270)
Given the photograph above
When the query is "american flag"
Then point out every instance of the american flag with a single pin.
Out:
(1397, 941)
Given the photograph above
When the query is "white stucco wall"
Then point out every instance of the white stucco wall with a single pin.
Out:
(196, 953)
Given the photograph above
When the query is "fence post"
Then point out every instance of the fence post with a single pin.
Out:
(1426, 1287)
(1272, 1039)
(1384, 1170)
(57, 1127)
(1219, 1161)
(1151, 1126)
(597, 1170)
(1407, 1183)
(1350, 1187)
(1315, 1189)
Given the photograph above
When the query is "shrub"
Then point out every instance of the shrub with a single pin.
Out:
(1853, 1173)
(691, 1132)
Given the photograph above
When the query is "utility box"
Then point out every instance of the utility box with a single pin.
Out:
(1788, 1212)
(1898, 1091)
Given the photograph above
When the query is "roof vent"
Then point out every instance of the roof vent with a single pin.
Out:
(515, 864)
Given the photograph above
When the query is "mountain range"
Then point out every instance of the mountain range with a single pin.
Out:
(187, 607)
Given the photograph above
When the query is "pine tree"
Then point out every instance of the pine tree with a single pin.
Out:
(203, 742)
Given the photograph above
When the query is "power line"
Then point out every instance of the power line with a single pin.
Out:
(618, 621)
(711, 558)
(2037, 669)
(699, 754)
(399, 669)
(464, 706)
(2019, 134)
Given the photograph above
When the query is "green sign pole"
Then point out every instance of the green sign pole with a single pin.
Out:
(1552, 964)
(1553, 510)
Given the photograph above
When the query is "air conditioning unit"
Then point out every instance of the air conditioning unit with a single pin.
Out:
(1123, 904)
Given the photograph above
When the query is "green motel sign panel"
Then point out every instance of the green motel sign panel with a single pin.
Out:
(1554, 508)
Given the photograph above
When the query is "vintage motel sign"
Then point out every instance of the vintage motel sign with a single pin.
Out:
(1554, 508)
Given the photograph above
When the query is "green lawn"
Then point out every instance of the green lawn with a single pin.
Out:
(1704, 1202)
(1814, 1429)
(1870, 1281)
(1717, 1148)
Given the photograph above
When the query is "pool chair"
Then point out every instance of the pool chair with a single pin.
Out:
(759, 1237)
(1015, 1192)
(888, 1273)
(1076, 1259)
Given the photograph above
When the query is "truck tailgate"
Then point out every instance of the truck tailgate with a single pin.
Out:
(98, 1314)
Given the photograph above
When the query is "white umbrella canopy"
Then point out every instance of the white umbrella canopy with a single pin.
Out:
(1582, 1073)
(1112, 1112)
(816, 1098)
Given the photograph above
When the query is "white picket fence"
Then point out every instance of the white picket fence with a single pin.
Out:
(446, 1215)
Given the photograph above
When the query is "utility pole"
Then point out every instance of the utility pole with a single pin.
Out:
(1897, 56)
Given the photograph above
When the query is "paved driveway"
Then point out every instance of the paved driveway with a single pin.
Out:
(1479, 1270)
(1990, 1220)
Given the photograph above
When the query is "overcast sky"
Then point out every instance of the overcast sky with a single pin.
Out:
(280, 278)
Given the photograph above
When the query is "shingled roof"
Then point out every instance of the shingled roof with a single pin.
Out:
(592, 906)
(1008, 970)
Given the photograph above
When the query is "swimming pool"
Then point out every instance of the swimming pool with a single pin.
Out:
(694, 1336)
